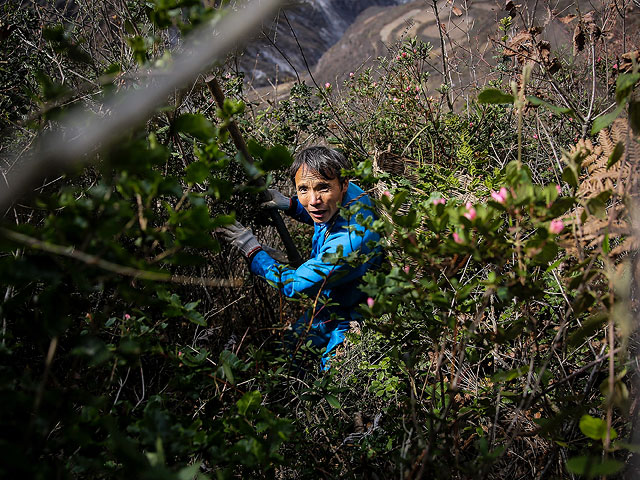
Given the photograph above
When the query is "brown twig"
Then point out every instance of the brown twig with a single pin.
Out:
(93, 260)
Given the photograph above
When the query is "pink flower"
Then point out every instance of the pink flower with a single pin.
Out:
(404, 54)
(500, 196)
(535, 135)
(327, 85)
(471, 212)
(127, 316)
(387, 194)
(457, 238)
(614, 66)
(415, 51)
(370, 302)
(350, 74)
(374, 84)
(417, 88)
(559, 189)
(407, 269)
(556, 226)
(437, 201)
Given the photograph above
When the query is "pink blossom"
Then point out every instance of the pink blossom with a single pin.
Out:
(535, 135)
(471, 212)
(370, 302)
(351, 74)
(398, 57)
(556, 226)
(127, 316)
(415, 51)
(407, 269)
(179, 353)
(457, 238)
(614, 66)
(387, 193)
(559, 189)
(327, 85)
(500, 196)
(437, 201)
(404, 54)
(417, 88)
(471, 124)
(374, 84)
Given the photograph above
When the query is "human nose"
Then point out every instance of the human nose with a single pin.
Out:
(316, 199)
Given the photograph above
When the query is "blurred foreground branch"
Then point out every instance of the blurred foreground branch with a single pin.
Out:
(71, 252)
(129, 109)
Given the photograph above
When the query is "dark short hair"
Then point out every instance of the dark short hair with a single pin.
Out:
(326, 161)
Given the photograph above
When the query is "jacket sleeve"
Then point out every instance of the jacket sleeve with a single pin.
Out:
(319, 272)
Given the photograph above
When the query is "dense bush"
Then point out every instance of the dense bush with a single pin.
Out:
(498, 337)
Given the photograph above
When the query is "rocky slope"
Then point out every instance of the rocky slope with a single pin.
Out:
(317, 24)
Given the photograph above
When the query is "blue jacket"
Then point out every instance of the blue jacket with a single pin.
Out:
(335, 279)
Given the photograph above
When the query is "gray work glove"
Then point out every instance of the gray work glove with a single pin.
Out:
(240, 237)
(278, 200)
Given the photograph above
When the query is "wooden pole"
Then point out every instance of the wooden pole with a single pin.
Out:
(292, 252)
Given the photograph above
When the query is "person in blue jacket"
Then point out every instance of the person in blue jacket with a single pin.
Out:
(327, 277)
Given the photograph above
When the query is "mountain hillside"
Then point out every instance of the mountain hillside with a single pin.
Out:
(318, 24)
(467, 33)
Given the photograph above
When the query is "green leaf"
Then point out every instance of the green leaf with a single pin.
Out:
(332, 400)
(606, 120)
(615, 155)
(197, 172)
(624, 85)
(189, 472)
(249, 402)
(597, 207)
(494, 96)
(195, 125)
(570, 175)
(554, 108)
(275, 158)
(589, 327)
(591, 466)
(505, 376)
(595, 428)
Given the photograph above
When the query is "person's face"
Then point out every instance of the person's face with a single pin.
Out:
(319, 196)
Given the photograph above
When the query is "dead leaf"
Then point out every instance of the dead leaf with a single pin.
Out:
(567, 19)
(456, 11)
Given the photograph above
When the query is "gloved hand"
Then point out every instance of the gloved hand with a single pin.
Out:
(278, 200)
(240, 237)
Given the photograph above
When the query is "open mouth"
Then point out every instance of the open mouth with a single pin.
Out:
(317, 213)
